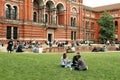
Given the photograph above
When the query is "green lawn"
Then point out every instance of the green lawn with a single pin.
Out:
(102, 66)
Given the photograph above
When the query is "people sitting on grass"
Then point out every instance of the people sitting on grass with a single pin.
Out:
(101, 49)
(19, 49)
(34, 49)
(69, 50)
(95, 49)
(75, 59)
(40, 50)
(80, 64)
(73, 49)
(65, 62)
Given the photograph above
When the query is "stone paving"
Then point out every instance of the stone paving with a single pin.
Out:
(3, 49)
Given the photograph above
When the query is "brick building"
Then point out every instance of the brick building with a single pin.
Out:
(48, 20)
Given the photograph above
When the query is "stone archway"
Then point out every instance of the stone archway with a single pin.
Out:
(60, 13)
(38, 6)
(50, 11)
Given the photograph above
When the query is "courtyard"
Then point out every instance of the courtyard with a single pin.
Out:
(101, 66)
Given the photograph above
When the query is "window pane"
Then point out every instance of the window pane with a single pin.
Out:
(14, 12)
(46, 18)
(35, 17)
(8, 33)
(15, 33)
(72, 35)
(74, 21)
(71, 21)
(8, 12)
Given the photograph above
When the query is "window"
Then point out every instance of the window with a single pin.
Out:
(87, 25)
(73, 22)
(114, 15)
(14, 13)
(8, 32)
(88, 14)
(34, 17)
(8, 12)
(74, 10)
(116, 25)
(12, 32)
(15, 32)
(73, 35)
(46, 18)
(87, 36)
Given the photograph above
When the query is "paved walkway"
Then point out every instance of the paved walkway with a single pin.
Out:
(3, 49)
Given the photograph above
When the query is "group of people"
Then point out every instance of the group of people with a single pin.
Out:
(101, 49)
(37, 49)
(17, 46)
(77, 62)
(70, 49)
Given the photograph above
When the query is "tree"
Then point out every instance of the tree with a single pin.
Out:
(107, 27)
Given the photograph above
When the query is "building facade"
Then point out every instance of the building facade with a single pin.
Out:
(49, 20)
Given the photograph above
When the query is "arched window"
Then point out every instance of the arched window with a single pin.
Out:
(8, 12)
(35, 17)
(73, 22)
(74, 10)
(14, 12)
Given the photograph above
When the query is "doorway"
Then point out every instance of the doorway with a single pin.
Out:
(50, 37)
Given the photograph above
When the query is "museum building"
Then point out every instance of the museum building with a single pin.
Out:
(49, 20)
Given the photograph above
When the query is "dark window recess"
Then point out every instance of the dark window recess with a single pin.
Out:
(15, 33)
(8, 32)
(35, 17)
(14, 13)
(73, 35)
(8, 12)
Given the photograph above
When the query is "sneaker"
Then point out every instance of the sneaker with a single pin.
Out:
(71, 69)
(87, 67)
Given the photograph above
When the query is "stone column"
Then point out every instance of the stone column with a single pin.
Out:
(54, 16)
(42, 13)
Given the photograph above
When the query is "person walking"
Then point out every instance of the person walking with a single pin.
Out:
(9, 47)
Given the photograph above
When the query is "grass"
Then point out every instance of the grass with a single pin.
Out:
(102, 66)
